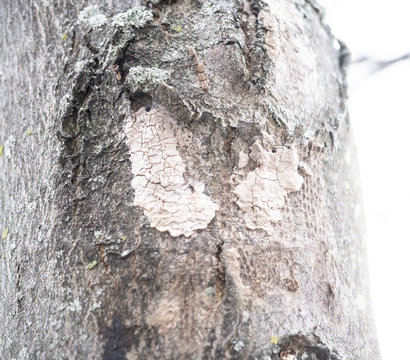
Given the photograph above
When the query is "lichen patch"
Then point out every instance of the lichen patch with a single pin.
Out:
(145, 78)
(139, 16)
(169, 201)
(262, 193)
(243, 160)
(93, 16)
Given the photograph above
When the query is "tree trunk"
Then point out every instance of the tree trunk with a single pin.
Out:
(178, 181)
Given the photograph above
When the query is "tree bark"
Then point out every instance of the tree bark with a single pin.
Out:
(178, 181)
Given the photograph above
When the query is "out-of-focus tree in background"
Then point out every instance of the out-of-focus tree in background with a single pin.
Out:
(377, 33)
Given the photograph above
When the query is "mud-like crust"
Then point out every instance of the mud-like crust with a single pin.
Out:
(170, 203)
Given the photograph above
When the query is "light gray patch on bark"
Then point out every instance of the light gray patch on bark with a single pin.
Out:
(170, 201)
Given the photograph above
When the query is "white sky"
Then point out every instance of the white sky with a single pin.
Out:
(380, 113)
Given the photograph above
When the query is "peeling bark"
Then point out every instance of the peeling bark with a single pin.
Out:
(170, 203)
(198, 98)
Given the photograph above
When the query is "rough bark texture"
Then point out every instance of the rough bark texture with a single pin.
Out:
(177, 182)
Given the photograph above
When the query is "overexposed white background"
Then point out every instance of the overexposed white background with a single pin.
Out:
(379, 109)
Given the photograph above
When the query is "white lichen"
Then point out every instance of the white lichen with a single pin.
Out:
(75, 306)
(145, 78)
(262, 193)
(79, 66)
(210, 291)
(125, 35)
(174, 52)
(9, 145)
(95, 306)
(125, 253)
(243, 160)
(238, 345)
(92, 16)
(138, 17)
(168, 200)
(32, 207)
(125, 24)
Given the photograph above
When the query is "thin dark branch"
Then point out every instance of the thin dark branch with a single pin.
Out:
(380, 64)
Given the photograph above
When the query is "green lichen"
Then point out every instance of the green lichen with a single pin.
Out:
(1, 150)
(91, 265)
(238, 345)
(145, 78)
(4, 234)
(123, 238)
(64, 37)
(177, 29)
(138, 17)
(120, 39)
(29, 132)
(92, 16)
(274, 340)
(210, 291)
(174, 52)
(125, 24)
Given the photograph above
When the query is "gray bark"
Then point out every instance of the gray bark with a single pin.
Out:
(178, 181)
